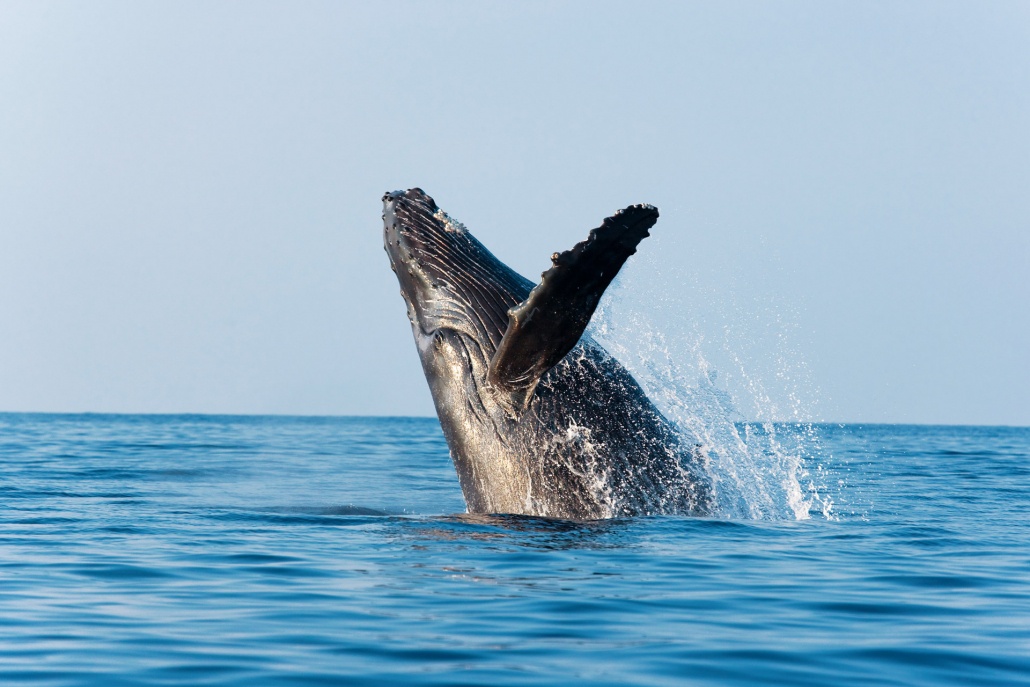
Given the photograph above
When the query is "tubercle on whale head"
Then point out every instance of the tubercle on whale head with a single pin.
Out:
(428, 251)
(402, 212)
(403, 262)
(411, 224)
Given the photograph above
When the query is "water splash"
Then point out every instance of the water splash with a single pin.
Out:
(763, 465)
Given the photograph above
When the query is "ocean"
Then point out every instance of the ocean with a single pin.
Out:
(225, 550)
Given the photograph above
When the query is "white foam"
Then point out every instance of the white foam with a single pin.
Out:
(759, 468)
(450, 224)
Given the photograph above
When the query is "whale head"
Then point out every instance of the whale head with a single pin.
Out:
(450, 282)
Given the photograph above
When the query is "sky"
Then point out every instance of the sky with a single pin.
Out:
(190, 194)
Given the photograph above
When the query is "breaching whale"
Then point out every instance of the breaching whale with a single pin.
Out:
(539, 418)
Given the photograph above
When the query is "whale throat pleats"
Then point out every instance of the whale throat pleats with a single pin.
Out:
(547, 325)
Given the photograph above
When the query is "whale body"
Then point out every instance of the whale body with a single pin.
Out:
(540, 420)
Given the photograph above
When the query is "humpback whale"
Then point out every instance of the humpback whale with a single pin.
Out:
(540, 420)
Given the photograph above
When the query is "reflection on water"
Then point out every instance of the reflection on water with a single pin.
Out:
(530, 531)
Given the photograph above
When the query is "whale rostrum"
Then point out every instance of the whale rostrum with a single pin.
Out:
(539, 418)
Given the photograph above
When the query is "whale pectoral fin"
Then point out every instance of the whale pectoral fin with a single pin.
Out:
(549, 323)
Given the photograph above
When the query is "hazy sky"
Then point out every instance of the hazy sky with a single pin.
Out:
(190, 192)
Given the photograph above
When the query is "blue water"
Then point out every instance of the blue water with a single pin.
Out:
(209, 550)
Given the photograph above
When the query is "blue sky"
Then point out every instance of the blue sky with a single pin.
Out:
(190, 194)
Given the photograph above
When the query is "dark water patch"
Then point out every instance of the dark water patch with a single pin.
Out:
(943, 582)
(121, 571)
(127, 496)
(943, 665)
(335, 510)
(290, 516)
(263, 558)
(354, 510)
(179, 473)
(36, 494)
(889, 609)
(125, 529)
(41, 521)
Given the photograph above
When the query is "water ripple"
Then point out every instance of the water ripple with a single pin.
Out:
(310, 551)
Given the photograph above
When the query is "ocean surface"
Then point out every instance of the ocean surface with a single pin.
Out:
(210, 550)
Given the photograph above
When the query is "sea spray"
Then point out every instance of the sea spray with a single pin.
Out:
(763, 450)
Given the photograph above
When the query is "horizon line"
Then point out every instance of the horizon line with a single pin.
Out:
(434, 417)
